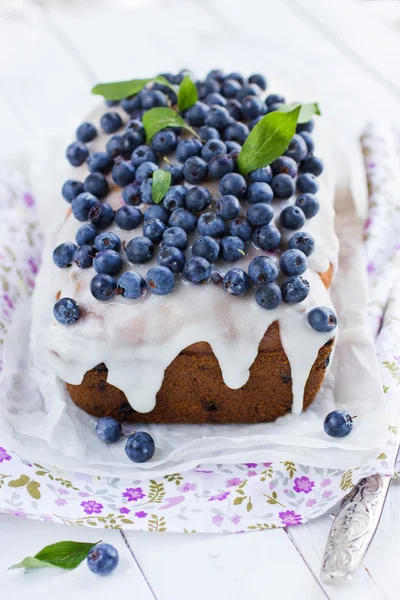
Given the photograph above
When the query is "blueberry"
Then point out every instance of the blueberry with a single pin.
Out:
(211, 224)
(113, 146)
(284, 165)
(82, 204)
(236, 282)
(123, 173)
(236, 132)
(175, 197)
(103, 287)
(154, 229)
(338, 423)
(157, 211)
(216, 276)
(160, 281)
(322, 319)
(71, 189)
(275, 99)
(273, 107)
(198, 198)
(131, 194)
(267, 237)
(136, 126)
(164, 141)
(252, 106)
(83, 256)
(143, 154)
(86, 234)
(212, 148)
(309, 205)
(62, 255)
(172, 258)
(221, 165)
(184, 219)
(176, 171)
(228, 207)
(262, 270)
(196, 114)
(293, 262)
(230, 88)
(110, 103)
(307, 137)
(187, 148)
(268, 296)
(175, 236)
(307, 183)
(292, 217)
(195, 170)
(96, 184)
(234, 108)
(283, 186)
(152, 99)
(208, 133)
(250, 89)
(107, 261)
(217, 117)
(102, 559)
(108, 430)
(131, 104)
(258, 80)
(101, 215)
(313, 165)
(107, 241)
(139, 250)
(66, 311)
(260, 214)
(254, 122)
(100, 162)
(128, 217)
(197, 270)
(242, 228)
(233, 147)
(264, 175)
(140, 446)
(295, 289)
(308, 127)
(297, 148)
(145, 170)
(131, 285)
(233, 184)
(214, 99)
(129, 142)
(110, 122)
(77, 153)
(259, 192)
(216, 74)
(208, 87)
(232, 248)
(206, 247)
(303, 241)
(146, 191)
(86, 132)
(236, 77)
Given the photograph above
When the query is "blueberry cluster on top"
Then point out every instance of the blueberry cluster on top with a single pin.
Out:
(228, 107)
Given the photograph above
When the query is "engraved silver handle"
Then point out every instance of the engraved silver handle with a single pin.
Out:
(353, 528)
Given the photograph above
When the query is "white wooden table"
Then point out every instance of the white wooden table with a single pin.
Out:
(343, 54)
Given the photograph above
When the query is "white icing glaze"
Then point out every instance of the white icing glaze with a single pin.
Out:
(137, 340)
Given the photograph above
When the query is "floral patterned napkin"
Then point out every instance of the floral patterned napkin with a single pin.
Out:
(208, 498)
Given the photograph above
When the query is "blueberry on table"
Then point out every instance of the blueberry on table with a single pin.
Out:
(263, 174)
(236, 282)
(196, 114)
(221, 165)
(103, 287)
(215, 99)
(311, 164)
(236, 132)
(123, 173)
(103, 559)
(297, 148)
(228, 207)
(100, 162)
(164, 141)
(234, 108)
(176, 171)
(250, 89)
(267, 237)
(197, 270)
(187, 148)
(156, 211)
(260, 191)
(208, 133)
(101, 215)
(258, 80)
(96, 184)
(175, 197)
(172, 258)
(83, 256)
(309, 204)
(154, 229)
(252, 107)
(212, 148)
(71, 189)
(262, 269)
(307, 183)
(62, 255)
(309, 126)
(139, 250)
(338, 423)
(160, 281)
(184, 219)
(198, 198)
(113, 145)
(153, 98)
(175, 236)
(195, 170)
(77, 153)
(86, 234)
(242, 228)
(322, 319)
(232, 248)
(260, 214)
(295, 289)
(284, 165)
(293, 262)
(128, 217)
(211, 224)
(131, 285)
(132, 103)
(108, 430)
(292, 217)
(207, 247)
(143, 154)
(110, 122)
(146, 190)
(107, 261)
(268, 296)
(66, 311)
(131, 194)
(86, 132)
(140, 447)
(283, 186)
(303, 241)
(129, 141)
(237, 77)
(107, 241)
(232, 147)
(145, 170)
(233, 184)
(274, 99)
(307, 137)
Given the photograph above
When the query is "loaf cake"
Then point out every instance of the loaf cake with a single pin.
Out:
(191, 272)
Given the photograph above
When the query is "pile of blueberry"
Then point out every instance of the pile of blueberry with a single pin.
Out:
(229, 106)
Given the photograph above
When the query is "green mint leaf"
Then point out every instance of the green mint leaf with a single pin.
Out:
(123, 89)
(161, 183)
(306, 112)
(157, 119)
(268, 140)
(187, 95)
(66, 555)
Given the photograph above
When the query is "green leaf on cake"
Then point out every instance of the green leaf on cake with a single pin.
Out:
(66, 555)
(268, 140)
(156, 119)
(160, 186)
(187, 94)
(118, 90)
(307, 111)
